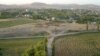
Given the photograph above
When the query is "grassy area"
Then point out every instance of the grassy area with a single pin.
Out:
(87, 44)
(15, 47)
(4, 24)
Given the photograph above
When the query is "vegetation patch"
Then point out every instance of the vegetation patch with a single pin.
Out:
(1, 51)
(38, 50)
(16, 47)
(4, 24)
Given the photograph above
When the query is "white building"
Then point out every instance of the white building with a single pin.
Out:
(26, 10)
(53, 18)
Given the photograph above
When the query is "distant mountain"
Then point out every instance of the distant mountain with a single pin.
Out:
(38, 5)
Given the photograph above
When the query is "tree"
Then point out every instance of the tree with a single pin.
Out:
(1, 50)
(29, 52)
(37, 50)
(40, 49)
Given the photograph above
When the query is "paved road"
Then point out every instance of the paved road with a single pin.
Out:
(49, 46)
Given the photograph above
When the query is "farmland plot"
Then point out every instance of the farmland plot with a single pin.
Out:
(16, 47)
(87, 44)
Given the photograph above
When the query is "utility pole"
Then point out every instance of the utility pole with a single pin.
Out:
(87, 25)
(0, 13)
(98, 24)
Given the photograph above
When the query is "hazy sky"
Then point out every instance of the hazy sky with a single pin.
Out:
(51, 1)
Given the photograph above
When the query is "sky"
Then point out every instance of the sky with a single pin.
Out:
(97, 2)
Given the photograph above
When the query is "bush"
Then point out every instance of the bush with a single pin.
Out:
(38, 50)
(1, 50)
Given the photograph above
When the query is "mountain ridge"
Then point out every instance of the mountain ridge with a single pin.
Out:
(38, 5)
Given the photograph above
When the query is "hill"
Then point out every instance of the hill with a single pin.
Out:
(38, 5)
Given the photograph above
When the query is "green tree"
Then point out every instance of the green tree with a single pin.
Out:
(29, 52)
(1, 50)
(37, 50)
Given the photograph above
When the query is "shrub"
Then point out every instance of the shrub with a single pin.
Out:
(1, 51)
(37, 50)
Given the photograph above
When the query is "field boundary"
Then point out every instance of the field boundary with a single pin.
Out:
(24, 37)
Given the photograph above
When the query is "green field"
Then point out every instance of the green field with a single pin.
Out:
(87, 44)
(15, 47)
(4, 24)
